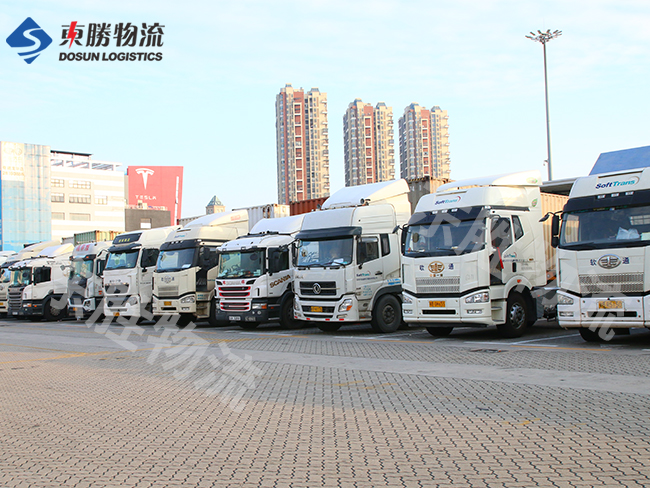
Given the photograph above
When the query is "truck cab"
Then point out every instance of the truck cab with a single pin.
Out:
(254, 276)
(347, 265)
(603, 254)
(474, 255)
(85, 283)
(128, 275)
(184, 279)
(39, 285)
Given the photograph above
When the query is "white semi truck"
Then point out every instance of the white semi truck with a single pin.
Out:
(184, 280)
(254, 276)
(85, 283)
(475, 255)
(347, 266)
(39, 285)
(604, 254)
(128, 275)
(27, 252)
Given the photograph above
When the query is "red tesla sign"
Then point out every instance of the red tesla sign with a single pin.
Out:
(157, 186)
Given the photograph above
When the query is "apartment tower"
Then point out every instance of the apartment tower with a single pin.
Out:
(302, 144)
(424, 142)
(368, 143)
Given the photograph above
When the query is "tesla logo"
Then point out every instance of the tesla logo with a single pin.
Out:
(436, 267)
(316, 289)
(145, 172)
(609, 261)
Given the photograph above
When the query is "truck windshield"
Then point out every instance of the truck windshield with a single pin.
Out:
(244, 264)
(445, 238)
(176, 260)
(82, 268)
(21, 277)
(122, 259)
(603, 228)
(327, 252)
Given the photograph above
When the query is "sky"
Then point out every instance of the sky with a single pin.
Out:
(209, 104)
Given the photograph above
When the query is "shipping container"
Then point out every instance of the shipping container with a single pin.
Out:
(95, 236)
(306, 206)
(551, 203)
(270, 211)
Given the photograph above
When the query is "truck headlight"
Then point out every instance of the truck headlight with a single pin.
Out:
(132, 300)
(258, 306)
(188, 299)
(406, 298)
(346, 305)
(564, 300)
(482, 297)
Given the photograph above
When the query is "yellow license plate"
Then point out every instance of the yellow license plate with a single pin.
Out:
(317, 309)
(167, 304)
(116, 314)
(437, 304)
(608, 304)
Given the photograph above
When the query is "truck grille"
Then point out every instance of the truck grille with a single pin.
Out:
(234, 291)
(327, 288)
(234, 306)
(167, 291)
(611, 283)
(15, 300)
(438, 285)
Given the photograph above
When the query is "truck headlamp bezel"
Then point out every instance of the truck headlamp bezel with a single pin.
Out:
(481, 297)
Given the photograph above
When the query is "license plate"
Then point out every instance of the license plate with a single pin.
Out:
(167, 304)
(437, 304)
(234, 318)
(15, 313)
(317, 309)
(116, 314)
(609, 304)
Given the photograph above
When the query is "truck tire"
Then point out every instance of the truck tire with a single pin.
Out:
(329, 327)
(212, 319)
(246, 325)
(52, 313)
(184, 319)
(287, 320)
(589, 335)
(516, 317)
(387, 314)
(439, 331)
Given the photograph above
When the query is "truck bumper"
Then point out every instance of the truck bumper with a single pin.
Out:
(117, 306)
(32, 308)
(174, 305)
(446, 311)
(613, 311)
(257, 311)
(341, 310)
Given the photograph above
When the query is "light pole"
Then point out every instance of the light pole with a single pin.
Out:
(544, 37)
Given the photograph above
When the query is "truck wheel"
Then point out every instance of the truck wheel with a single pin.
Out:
(287, 320)
(439, 331)
(329, 327)
(212, 319)
(589, 335)
(387, 314)
(52, 313)
(184, 319)
(516, 317)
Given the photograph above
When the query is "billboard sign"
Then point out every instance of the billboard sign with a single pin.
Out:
(155, 187)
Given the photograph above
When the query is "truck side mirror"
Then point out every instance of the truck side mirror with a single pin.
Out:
(555, 231)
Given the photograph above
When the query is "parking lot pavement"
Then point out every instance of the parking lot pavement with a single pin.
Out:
(147, 406)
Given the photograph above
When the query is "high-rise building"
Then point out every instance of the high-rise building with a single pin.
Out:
(302, 144)
(368, 143)
(25, 210)
(86, 194)
(424, 142)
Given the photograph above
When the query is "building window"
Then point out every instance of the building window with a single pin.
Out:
(80, 216)
(58, 198)
(57, 183)
(83, 184)
(79, 199)
(101, 200)
(58, 215)
(145, 223)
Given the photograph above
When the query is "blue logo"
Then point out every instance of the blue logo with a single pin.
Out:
(29, 35)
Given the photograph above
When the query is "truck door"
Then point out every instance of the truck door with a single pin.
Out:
(370, 270)
(500, 266)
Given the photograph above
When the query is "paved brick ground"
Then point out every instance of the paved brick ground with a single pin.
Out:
(79, 411)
